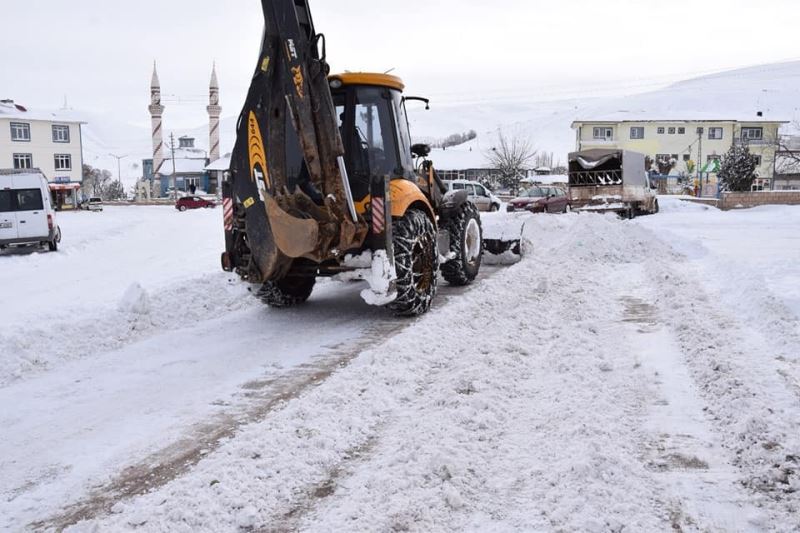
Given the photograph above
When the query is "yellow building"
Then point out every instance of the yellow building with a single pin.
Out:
(682, 144)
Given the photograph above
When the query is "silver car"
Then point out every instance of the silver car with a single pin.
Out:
(479, 195)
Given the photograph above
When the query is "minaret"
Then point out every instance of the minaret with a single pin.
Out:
(214, 111)
(156, 112)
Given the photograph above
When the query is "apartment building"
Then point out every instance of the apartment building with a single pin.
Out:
(686, 144)
(47, 140)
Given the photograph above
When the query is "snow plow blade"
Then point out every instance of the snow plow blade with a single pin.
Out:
(502, 238)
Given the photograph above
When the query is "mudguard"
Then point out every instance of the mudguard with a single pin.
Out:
(451, 204)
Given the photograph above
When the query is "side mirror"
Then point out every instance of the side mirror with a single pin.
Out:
(421, 150)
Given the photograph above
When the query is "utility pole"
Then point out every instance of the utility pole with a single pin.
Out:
(173, 180)
(700, 161)
(119, 159)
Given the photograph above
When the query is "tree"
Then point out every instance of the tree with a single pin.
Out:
(95, 180)
(114, 191)
(738, 168)
(511, 157)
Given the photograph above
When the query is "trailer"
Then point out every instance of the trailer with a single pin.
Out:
(611, 180)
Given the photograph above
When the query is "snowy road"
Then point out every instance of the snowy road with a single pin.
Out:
(636, 375)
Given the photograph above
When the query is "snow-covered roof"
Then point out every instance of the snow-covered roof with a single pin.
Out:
(183, 166)
(676, 115)
(223, 163)
(10, 109)
(458, 158)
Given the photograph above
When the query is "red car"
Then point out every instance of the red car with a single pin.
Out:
(193, 202)
(539, 199)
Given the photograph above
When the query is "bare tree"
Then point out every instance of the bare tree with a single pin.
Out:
(511, 157)
(787, 152)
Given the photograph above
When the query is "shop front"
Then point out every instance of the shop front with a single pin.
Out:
(64, 195)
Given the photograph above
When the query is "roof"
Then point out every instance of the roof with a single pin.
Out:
(11, 110)
(368, 78)
(675, 116)
(223, 163)
(458, 158)
(21, 172)
(183, 166)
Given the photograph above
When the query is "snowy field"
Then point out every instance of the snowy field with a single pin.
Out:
(625, 376)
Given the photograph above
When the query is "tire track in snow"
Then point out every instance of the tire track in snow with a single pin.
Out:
(260, 398)
(753, 411)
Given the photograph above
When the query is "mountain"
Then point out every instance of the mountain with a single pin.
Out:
(773, 89)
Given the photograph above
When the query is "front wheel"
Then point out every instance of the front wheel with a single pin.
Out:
(466, 244)
(416, 263)
(287, 292)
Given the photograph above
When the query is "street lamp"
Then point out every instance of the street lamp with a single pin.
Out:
(119, 159)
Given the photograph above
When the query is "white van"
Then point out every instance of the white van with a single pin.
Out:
(26, 212)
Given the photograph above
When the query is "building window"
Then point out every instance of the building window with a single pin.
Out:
(681, 131)
(603, 133)
(637, 133)
(20, 132)
(671, 131)
(715, 133)
(60, 134)
(758, 160)
(23, 161)
(660, 131)
(63, 162)
(686, 157)
(752, 134)
(713, 158)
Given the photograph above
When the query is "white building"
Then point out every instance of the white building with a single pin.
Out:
(47, 140)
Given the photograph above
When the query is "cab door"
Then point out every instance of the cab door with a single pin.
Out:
(31, 217)
(8, 218)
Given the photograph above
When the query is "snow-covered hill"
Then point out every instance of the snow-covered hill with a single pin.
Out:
(773, 89)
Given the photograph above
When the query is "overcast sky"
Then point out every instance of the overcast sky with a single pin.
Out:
(99, 53)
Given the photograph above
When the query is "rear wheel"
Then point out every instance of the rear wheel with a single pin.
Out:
(287, 292)
(182, 208)
(466, 242)
(416, 263)
(494, 208)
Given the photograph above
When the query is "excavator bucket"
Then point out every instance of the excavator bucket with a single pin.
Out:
(292, 199)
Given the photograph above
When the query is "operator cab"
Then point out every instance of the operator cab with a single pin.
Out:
(374, 128)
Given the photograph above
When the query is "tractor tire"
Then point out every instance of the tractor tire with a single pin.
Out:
(286, 292)
(466, 242)
(416, 263)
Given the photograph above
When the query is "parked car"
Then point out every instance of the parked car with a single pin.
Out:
(479, 195)
(542, 199)
(193, 202)
(27, 216)
(92, 204)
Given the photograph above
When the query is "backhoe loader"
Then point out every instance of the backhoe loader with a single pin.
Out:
(324, 182)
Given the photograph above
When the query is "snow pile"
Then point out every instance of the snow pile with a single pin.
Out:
(135, 301)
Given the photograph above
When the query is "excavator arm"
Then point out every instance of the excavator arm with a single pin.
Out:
(278, 215)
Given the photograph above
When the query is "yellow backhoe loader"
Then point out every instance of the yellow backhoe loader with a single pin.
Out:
(324, 181)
